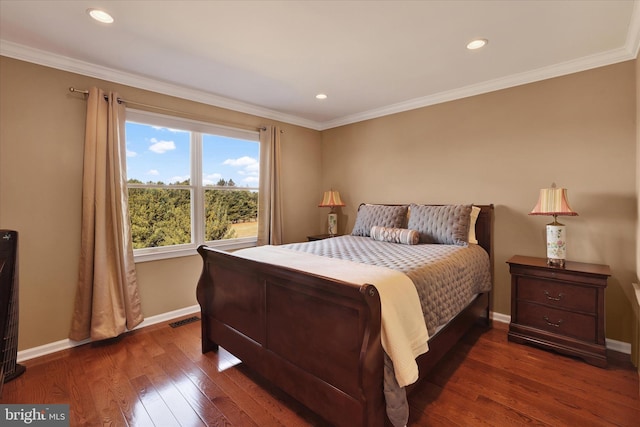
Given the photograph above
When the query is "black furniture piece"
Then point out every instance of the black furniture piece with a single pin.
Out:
(9, 368)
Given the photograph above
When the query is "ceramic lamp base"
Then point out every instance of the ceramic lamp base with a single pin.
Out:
(332, 222)
(556, 244)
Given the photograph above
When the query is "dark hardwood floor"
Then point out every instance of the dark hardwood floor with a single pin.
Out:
(157, 376)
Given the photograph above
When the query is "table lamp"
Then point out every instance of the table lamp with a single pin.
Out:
(553, 202)
(332, 199)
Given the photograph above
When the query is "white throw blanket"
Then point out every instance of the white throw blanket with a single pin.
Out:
(404, 334)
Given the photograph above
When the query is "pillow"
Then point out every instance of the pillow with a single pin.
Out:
(473, 217)
(381, 215)
(446, 224)
(395, 235)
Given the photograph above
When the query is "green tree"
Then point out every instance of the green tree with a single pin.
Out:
(162, 216)
(218, 226)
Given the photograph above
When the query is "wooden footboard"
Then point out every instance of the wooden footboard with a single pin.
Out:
(318, 339)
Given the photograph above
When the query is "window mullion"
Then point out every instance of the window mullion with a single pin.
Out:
(197, 192)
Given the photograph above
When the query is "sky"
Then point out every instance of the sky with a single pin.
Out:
(162, 154)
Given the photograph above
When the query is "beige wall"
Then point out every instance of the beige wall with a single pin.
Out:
(578, 131)
(41, 137)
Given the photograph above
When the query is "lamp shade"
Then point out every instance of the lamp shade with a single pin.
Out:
(553, 201)
(331, 199)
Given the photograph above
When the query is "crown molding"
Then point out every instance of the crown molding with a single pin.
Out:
(628, 52)
(633, 35)
(40, 57)
(582, 64)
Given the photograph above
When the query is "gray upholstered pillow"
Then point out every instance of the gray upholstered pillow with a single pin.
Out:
(446, 224)
(381, 215)
(395, 235)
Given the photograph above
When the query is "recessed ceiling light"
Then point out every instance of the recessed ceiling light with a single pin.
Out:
(100, 15)
(321, 96)
(477, 44)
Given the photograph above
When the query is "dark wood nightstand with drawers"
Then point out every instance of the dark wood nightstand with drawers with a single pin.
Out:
(559, 309)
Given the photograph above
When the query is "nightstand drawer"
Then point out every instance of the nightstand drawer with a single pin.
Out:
(567, 323)
(558, 294)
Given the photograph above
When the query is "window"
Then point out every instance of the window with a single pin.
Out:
(190, 183)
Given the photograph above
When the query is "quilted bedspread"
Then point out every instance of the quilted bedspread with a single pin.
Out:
(446, 277)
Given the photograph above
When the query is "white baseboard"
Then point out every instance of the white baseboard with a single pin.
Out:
(53, 347)
(31, 353)
(499, 317)
(619, 346)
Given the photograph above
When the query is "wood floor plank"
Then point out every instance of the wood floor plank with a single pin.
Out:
(537, 363)
(157, 376)
(208, 387)
(171, 394)
(200, 403)
(157, 408)
(567, 387)
(115, 398)
(84, 413)
(214, 368)
(272, 399)
(449, 406)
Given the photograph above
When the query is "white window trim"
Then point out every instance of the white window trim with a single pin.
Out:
(197, 214)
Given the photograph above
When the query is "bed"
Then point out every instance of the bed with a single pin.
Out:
(319, 337)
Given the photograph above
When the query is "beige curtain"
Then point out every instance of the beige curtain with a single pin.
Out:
(269, 199)
(107, 299)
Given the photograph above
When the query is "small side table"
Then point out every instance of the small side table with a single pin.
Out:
(560, 309)
(321, 237)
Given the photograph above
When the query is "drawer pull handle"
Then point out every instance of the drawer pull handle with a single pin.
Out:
(557, 325)
(549, 297)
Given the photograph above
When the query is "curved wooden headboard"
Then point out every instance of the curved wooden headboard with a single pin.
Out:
(484, 228)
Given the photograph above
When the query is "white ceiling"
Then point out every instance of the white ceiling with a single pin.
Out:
(371, 58)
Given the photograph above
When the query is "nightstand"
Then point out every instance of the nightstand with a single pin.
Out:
(321, 237)
(560, 309)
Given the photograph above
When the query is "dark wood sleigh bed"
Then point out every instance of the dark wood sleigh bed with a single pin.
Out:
(316, 338)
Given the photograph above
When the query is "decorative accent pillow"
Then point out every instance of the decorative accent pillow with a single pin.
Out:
(475, 211)
(381, 215)
(446, 224)
(395, 235)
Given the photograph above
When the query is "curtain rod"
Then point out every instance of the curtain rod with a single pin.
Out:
(168, 110)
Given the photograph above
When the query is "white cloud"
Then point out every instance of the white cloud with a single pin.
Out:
(214, 175)
(247, 162)
(131, 153)
(250, 167)
(211, 179)
(161, 147)
(153, 172)
(179, 178)
(162, 128)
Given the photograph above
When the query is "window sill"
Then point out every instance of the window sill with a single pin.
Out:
(155, 254)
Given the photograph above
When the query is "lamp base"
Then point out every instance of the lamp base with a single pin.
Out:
(332, 222)
(556, 244)
(555, 262)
